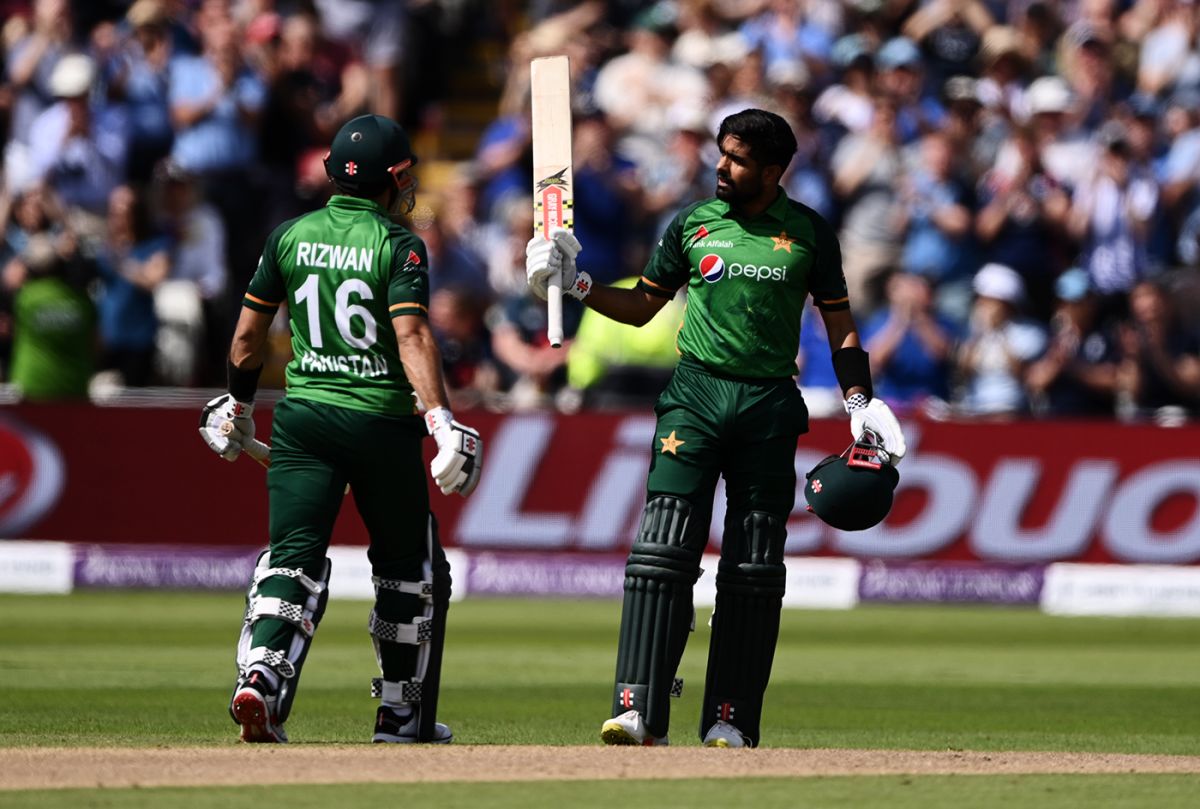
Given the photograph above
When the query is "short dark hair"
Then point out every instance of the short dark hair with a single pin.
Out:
(768, 135)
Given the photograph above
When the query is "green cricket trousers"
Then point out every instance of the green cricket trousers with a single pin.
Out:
(316, 449)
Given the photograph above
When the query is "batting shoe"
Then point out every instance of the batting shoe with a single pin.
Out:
(724, 734)
(629, 729)
(253, 708)
(394, 728)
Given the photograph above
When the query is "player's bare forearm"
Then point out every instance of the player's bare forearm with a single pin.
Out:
(248, 349)
(421, 359)
(632, 306)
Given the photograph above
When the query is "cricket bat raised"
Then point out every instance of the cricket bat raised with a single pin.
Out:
(553, 185)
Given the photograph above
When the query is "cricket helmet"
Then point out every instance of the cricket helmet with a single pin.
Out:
(852, 491)
(368, 153)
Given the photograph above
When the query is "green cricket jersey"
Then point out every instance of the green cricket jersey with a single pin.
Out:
(344, 271)
(748, 280)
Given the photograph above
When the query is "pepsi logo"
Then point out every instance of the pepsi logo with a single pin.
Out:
(31, 477)
(712, 268)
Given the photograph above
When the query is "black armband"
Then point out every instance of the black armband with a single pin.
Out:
(243, 383)
(853, 370)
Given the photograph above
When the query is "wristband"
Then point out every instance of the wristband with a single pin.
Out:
(852, 367)
(582, 286)
(243, 382)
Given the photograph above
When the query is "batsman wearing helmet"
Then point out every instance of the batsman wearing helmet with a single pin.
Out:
(749, 257)
(346, 273)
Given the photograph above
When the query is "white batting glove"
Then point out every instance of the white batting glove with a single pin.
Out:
(226, 425)
(876, 416)
(544, 257)
(459, 462)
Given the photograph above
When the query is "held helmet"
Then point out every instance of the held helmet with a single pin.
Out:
(852, 491)
(368, 154)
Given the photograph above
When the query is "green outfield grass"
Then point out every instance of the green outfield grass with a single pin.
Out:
(879, 792)
(151, 668)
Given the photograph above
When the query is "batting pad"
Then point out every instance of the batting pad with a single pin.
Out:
(304, 617)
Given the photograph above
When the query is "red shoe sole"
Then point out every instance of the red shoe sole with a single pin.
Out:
(251, 713)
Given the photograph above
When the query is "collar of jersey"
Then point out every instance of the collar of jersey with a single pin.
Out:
(776, 210)
(344, 201)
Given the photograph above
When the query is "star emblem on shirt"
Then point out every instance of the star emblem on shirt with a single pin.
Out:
(782, 241)
(670, 443)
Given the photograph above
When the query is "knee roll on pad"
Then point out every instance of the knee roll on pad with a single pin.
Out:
(427, 631)
(657, 612)
(751, 580)
(304, 616)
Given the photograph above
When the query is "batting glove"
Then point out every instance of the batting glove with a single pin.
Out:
(545, 257)
(226, 425)
(459, 461)
(876, 416)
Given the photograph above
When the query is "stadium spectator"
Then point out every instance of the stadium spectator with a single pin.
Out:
(1111, 216)
(950, 32)
(76, 145)
(999, 346)
(456, 320)
(1077, 374)
(1166, 33)
(134, 261)
(937, 211)
(1159, 369)
(54, 321)
(910, 344)
(973, 138)
(136, 73)
(309, 97)
(1086, 63)
(31, 60)
(1022, 218)
(1003, 62)
(902, 78)
(216, 104)
(636, 88)
(867, 172)
(192, 302)
(684, 174)
(848, 105)
(377, 33)
(1064, 150)
(608, 198)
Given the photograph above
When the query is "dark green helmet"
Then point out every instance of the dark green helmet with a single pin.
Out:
(367, 154)
(852, 491)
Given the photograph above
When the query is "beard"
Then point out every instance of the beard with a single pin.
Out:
(734, 193)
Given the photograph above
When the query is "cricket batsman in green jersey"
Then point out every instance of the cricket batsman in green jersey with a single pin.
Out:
(356, 287)
(749, 257)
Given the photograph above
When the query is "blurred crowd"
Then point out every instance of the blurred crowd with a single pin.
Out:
(1016, 185)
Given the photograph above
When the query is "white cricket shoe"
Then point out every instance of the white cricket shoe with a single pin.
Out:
(724, 734)
(393, 728)
(629, 729)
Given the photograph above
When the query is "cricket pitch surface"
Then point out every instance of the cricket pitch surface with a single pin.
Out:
(74, 767)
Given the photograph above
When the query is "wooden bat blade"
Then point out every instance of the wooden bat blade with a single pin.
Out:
(553, 181)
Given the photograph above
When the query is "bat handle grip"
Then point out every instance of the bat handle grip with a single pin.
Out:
(258, 451)
(554, 321)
